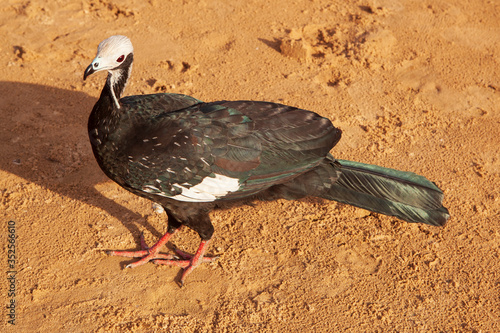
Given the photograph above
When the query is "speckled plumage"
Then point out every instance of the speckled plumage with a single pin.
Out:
(188, 155)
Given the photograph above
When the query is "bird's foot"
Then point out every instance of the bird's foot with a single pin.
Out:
(182, 259)
(189, 262)
(188, 256)
(146, 253)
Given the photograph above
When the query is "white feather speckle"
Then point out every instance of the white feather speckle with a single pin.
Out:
(208, 190)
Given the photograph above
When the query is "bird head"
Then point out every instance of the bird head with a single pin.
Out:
(111, 53)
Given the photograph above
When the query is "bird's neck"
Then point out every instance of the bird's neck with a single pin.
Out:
(117, 81)
(105, 116)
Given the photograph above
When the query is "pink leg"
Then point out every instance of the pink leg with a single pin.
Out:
(146, 254)
(190, 262)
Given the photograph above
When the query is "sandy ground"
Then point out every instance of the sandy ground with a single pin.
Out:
(414, 85)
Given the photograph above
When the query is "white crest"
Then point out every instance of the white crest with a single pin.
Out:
(115, 46)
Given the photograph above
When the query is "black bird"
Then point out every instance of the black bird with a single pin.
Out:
(189, 156)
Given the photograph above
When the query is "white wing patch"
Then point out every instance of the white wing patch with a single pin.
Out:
(208, 190)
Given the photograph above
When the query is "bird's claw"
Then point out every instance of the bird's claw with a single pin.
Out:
(182, 259)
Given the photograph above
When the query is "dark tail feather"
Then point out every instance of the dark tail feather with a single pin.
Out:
(406, 195)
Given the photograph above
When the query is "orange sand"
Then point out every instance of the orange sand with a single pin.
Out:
(413, 85)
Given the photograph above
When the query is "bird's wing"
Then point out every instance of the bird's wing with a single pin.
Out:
(224, 150)
(291, 141)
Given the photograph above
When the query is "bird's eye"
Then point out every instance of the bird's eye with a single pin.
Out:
(120, 58)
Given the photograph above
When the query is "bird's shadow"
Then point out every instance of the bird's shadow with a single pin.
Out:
(44, 138)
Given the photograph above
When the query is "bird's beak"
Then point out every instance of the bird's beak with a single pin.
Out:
(88, 71)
